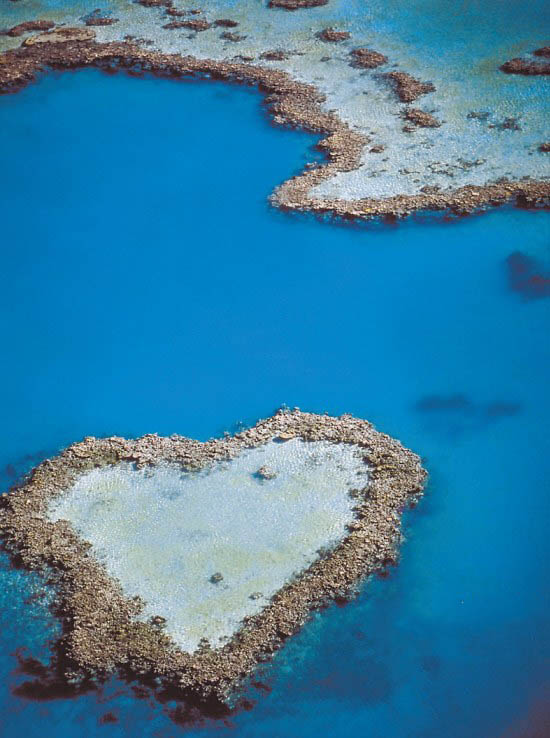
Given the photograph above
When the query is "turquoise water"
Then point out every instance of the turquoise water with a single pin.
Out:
(147, 286)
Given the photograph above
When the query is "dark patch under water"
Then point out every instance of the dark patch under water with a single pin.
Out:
(109, 718)
(456, 414)
(527, 276)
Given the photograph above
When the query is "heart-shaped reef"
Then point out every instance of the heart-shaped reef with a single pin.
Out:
(192, 562)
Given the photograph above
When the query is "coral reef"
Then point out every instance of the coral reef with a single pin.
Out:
(367, 58)
(407, 87)
(101, 629)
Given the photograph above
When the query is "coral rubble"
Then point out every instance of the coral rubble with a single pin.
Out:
(101, 630)
(407, 87)
(367, 58)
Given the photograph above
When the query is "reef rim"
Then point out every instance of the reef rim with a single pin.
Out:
(291, 103)
(100, 630)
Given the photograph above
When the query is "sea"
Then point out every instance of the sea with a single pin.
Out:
(148, 286)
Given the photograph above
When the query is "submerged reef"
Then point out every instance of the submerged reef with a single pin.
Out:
(407, 87)
(226, 23)
(529, 67)
(61, 35)
(421, 118)
(526, 67)
(367, 58)
(102, 626)
(36, 25)
(296, 4)
(155, 3)
(194, 24)
(332, 35)
(527, 277)
(100, 20)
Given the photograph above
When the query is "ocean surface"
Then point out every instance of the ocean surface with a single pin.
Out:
(147, 286)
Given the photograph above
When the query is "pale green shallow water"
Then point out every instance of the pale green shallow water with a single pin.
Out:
(163, 533)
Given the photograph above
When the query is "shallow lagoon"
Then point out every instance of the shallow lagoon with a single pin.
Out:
(256, 520)
(141, 293)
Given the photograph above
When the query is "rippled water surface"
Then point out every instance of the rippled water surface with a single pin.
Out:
(147, 286)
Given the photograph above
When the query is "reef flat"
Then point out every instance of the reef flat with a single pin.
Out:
(206, 549)
(107, 627)
(336, 70)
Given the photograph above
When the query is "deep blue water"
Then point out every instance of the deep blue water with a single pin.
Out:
(146, 285)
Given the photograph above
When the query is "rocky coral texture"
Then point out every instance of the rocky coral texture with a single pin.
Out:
(367, 58)
(34, 25)
(63, 35)
(274, 55)
(407, 87)
(333, 36)
(421, 118)
(101, 630)
(98, 20)
(526, 67)
(193, 24)
(155, 3)
(232, 36)
(296, 4)
(226, 23)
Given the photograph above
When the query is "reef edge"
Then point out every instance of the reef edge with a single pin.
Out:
(100, 630)
(291, 103)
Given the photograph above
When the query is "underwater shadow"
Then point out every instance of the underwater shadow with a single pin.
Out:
(49, 682)
(526, 276)
(455, 415)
